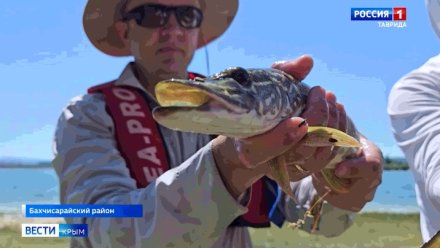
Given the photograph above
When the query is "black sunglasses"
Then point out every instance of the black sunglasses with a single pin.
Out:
(157, 15)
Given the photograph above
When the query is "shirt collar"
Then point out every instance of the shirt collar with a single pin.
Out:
(128, 78)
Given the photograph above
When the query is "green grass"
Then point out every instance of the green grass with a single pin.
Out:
(369, 230)
(11, 238)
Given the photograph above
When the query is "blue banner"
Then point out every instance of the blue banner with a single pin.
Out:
(54, 230)
(371, 14)
(82, 211)
(73, 230)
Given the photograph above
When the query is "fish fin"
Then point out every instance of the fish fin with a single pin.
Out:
(327, 136)
(280, 174)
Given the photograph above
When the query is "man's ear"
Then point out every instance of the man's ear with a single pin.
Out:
(122, 31)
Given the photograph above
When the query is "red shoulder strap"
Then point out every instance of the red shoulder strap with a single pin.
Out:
(258, 206)
(99, 87)
(138, 138)
(192, 75)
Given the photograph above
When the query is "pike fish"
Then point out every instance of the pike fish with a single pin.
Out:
(241, 103)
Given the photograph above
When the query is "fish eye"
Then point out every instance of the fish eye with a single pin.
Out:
(240, 75)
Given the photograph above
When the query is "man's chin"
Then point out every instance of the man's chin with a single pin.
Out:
(174, 67)
(172, 71)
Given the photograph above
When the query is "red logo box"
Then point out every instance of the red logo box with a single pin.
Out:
(399, 14)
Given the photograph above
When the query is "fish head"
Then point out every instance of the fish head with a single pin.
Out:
(235, 102)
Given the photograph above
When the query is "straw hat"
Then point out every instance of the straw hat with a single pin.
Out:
(100, 16)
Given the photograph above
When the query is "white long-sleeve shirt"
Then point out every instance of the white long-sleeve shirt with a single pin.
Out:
(414, 109)
(188, 206)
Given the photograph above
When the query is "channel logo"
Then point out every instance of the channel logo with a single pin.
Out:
(54, 230)
(378, 14)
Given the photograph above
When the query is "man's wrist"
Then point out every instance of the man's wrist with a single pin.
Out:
(236, 177)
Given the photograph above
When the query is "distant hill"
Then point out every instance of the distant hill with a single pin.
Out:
(390, 163)
(13, 162)
(20, 160)
(395, 164)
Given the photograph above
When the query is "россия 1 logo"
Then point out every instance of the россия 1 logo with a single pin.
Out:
(386, 17)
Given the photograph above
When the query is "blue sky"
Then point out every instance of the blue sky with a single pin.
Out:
(46, 60)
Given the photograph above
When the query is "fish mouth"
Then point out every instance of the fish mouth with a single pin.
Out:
(177, 93)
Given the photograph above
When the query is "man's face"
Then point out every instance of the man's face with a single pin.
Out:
(164, 50)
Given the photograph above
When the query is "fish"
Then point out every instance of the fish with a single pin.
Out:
(242, 103)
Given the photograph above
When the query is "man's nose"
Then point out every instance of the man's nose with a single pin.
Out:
(173, 28)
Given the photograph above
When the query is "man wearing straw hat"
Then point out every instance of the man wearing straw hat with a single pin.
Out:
(195, 192)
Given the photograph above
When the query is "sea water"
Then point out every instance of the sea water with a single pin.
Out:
(40, 186)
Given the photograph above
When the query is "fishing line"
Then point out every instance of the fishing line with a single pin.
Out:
(207, 61)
